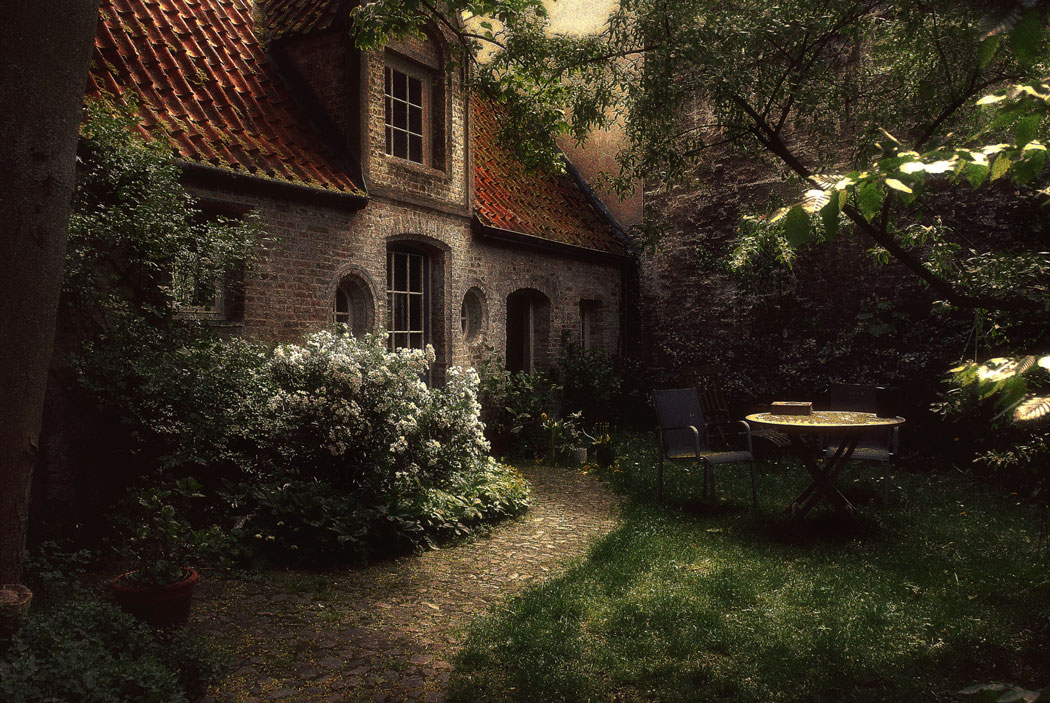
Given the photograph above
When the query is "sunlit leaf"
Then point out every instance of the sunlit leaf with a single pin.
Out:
(1001, 166)
(1032, 409)
(989, 99)
(913, 167)
(940, 166)
(1045, 362)
(814, 200)
(898, 185)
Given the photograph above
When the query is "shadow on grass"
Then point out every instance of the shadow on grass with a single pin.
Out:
(691, 601)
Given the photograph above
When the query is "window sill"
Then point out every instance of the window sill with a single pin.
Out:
(413, 166)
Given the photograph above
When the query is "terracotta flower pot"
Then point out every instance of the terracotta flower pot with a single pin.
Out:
(14, 604)
(161, 606)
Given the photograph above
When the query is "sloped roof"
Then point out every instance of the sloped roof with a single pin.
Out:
(202, 78)
(551, 207)
(285, 18)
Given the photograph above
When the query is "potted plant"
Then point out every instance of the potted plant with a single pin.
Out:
(159, 589)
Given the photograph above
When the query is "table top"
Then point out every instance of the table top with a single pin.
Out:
(823, 420)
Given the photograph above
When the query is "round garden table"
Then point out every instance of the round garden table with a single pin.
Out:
(846, 428)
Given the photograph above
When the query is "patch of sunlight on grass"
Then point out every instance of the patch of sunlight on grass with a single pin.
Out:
(940, 589)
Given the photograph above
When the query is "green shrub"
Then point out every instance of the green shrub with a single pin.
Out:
(92, 652)
(514, 406)
(356, 453)
(590, 384)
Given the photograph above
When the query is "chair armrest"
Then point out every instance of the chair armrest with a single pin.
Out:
(747, 431)
(696, 436)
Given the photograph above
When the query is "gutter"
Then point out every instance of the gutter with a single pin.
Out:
(206, 175)
(531, 241)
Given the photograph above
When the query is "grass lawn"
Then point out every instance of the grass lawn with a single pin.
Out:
(943, 588)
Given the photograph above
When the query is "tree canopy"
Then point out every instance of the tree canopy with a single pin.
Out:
(862, 103)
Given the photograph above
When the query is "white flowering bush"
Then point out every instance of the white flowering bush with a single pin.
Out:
(346, 411)
(356, 450)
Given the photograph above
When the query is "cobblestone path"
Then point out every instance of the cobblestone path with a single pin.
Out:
(389, 632)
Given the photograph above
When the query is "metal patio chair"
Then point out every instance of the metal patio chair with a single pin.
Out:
(682, 434)
(882, 446)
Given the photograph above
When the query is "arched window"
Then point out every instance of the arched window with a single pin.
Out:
(472, 315)
(408, 298)
(354, 305)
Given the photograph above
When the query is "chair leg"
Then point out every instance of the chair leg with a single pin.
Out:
(754, 486)
(660, 478)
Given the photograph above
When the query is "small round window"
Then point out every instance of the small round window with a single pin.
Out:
(471, 314)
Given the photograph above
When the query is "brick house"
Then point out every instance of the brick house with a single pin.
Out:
(392, 204)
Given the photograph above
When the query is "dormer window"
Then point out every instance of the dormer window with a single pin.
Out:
(404, 115)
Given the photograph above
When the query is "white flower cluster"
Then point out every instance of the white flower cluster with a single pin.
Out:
(345, 405)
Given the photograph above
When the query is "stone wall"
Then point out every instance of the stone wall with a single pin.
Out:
(836, 318)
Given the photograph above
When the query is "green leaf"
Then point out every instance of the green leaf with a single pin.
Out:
(1030, 167)
(987, 50)
(1025, 38)
(898, 185)
(796, 226)
(829, 216)
(976, 173)
(1001, 166)
(869, 199)
(1026, 129)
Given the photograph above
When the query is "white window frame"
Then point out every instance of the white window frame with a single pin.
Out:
(407, 287)
(391, 102)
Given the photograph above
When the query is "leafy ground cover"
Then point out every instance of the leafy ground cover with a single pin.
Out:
(942, 588)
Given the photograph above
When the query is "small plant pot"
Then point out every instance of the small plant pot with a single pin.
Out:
(580, 455)
(14, 604)
(167, 605)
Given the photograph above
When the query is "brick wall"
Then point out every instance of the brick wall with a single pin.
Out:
(292, 290)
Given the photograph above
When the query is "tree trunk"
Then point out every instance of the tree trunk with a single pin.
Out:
(45, 49)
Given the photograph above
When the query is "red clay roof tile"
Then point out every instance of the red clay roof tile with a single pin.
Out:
(178, 63)
(550, 207)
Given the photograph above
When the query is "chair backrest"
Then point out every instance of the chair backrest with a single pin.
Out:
(680, 407)
(712, 401)
(853, 397)
(863, 399)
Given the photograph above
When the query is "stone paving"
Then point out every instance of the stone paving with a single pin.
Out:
(389, 632)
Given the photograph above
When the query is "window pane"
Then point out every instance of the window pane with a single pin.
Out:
(389, 141)
(400, 91)
(388, 110)
(417, 341)
(386, 80)
(399, 116)
(415, 119)
(400, 267)
(416, 313)
(415, 91)
(416, 275)
(415, 148)
(400, 313)
(400, 144)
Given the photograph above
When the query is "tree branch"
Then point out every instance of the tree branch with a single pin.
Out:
(772, 142)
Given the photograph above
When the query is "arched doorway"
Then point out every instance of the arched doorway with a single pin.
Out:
(528, 330)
